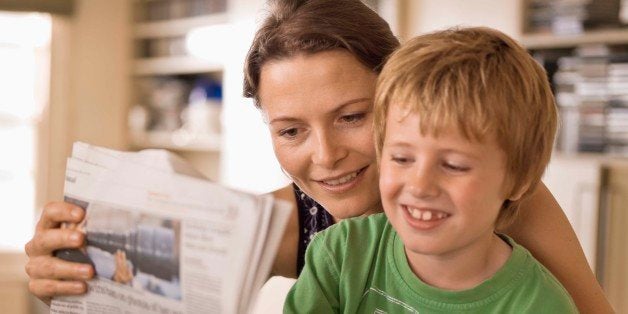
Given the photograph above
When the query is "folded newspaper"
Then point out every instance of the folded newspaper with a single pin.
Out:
(162, 239)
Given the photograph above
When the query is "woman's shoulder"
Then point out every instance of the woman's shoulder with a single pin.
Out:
(285, 193)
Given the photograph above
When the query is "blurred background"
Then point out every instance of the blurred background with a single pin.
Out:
(135, 74)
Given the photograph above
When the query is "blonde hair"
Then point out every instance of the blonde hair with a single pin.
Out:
(483, 82)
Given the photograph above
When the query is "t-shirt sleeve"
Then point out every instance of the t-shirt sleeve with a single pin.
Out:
(316, 290)
(551, 296)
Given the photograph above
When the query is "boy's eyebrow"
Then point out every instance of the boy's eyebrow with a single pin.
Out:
(398, 143)
(406, 144)
(340, 107)
(460, 152)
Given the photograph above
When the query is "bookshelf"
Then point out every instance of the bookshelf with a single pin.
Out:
(176, 95)
(178, 26)
(173, 66)
(586, 57)
(553, 41)
(584, 48)
(178, 141)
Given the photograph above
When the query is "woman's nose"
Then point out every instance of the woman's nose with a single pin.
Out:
(328, 150)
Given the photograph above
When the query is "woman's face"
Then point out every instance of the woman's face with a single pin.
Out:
(319, 112)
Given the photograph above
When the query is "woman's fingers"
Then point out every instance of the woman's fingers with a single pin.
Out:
(45, 273)
(55, 213)
(46, 241)
(44, 289)
(48, 267)
(50, 276)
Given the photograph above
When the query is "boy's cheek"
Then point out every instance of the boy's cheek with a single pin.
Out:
(389, 187)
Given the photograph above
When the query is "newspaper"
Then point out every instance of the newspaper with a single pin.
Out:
(164, 240)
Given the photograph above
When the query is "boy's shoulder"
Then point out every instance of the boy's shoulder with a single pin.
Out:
(538, 288)
(368, 226)
(353, 234)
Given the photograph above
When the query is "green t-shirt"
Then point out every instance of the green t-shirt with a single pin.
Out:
(359, 266)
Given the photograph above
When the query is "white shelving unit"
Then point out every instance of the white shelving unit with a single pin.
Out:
(177, 27)
(173, 66)
(551, 41)
(178, 141)
(592, 187)
(201, 149)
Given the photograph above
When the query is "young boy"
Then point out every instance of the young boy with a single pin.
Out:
(464, 126)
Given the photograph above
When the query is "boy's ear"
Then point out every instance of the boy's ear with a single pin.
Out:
(518, 193)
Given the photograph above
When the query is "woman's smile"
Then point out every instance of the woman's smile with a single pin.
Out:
(342, 183)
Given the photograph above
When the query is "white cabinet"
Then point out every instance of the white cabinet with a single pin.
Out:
(575, 182)
(593, 192)
(613, 252)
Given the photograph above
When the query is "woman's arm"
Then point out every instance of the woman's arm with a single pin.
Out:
(542, 227)
(286, 261)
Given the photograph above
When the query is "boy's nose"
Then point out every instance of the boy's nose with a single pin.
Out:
(423, 183)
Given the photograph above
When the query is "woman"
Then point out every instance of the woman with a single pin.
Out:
(311, 70)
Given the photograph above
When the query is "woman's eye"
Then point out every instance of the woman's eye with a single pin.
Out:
(351, 118)
(289, 133)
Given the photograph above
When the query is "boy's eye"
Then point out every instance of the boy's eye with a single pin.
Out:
(355, 117)
(400, 160)
(455, 167)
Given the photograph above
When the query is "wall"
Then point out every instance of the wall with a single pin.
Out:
(89, 87)
(428, 15)
(14, 297)
(90, 83)
(247, 160)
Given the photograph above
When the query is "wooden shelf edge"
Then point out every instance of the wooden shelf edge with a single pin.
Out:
(177, 141)
(544, 41)
(177, 27)
(602, 158)
(173, 65)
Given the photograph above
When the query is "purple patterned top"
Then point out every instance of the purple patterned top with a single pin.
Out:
(312, 219)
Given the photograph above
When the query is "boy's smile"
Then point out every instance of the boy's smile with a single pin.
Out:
(423, 218)
(442, 194)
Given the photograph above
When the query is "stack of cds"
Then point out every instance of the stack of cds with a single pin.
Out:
(592, 94)
(571, 16)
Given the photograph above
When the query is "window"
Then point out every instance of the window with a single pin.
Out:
(24, 74)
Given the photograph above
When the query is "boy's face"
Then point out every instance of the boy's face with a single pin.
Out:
(442, 194)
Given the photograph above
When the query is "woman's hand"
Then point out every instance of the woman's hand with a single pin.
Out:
(49, 275)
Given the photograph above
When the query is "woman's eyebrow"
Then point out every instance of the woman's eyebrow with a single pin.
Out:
(343, 105)
(283, 119)
(338, 108)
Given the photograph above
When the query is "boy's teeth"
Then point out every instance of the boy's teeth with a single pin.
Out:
(342, 180)
(425, 215)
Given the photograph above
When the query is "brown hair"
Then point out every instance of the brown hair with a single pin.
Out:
(309, 26)
(486, 84)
